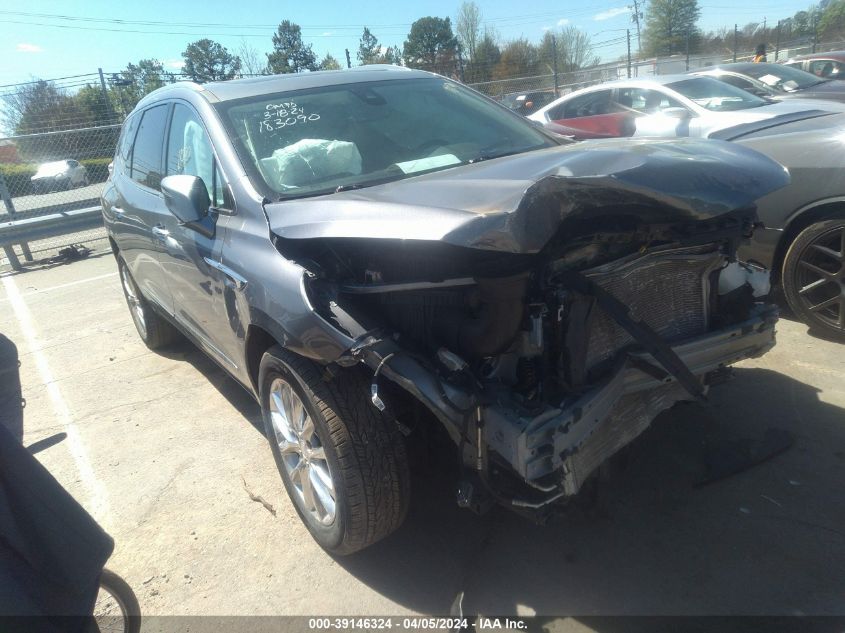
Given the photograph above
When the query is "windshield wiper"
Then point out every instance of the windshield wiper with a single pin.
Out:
(340, 188)
(483, 157)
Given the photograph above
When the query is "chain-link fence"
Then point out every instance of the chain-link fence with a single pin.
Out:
(52, 178)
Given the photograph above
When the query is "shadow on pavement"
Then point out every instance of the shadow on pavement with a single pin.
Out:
(229, 388)
(767, 541)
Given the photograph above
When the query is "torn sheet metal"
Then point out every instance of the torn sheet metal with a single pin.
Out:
(516, 204)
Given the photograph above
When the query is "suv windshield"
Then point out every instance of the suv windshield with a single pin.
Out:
(716, 95)
(783, 77)
(321, 140)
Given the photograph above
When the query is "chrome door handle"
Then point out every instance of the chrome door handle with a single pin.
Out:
(160, 232)
(238, 281)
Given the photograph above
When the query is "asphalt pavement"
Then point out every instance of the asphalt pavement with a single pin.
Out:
(165, 450)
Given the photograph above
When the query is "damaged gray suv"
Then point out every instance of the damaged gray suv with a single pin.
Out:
(379, 253)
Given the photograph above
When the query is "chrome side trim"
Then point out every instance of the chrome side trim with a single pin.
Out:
(239, 281)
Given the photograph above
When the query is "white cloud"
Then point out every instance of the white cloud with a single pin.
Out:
(545, 28)
(562, 22)
(174, 63)
(610, 13)
(23, 47)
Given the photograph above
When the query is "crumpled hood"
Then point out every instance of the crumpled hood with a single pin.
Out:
(516, 203)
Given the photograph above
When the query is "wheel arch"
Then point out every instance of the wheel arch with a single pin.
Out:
(800, 220)
(258, 341)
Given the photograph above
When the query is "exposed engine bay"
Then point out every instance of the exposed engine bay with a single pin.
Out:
(545, 348)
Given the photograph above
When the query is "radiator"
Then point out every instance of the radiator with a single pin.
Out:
(669, 291)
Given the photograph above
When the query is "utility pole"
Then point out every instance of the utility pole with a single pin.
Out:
(460, 64)
(777, 42)
(636, 18)
(736, 34)
(348, 60)
(687, 49)
(554, 60)
(628, 32)
(103, 84)
(815, 32)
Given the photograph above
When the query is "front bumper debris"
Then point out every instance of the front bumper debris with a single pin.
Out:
(558, 449)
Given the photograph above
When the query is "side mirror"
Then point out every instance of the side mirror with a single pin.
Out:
(676, 113)
(186, 197)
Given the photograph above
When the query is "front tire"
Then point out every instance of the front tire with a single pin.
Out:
(152, 328)
(814, 277)
(342, 463)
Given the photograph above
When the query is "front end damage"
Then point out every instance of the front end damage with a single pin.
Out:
(543, 355)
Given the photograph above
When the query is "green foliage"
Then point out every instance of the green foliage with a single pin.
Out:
(668, 24)
(432, 46)
(17, 176)
(369, 50)
(290, 54)
(207, 60)
(832, 20)
(393, 55)
(485, 58)
(329, 63)
(520, 58)
(136, 81)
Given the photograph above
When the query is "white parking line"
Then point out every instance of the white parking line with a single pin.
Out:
(60, 286)
(98, 504)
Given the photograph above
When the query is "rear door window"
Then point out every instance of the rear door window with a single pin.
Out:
(146, 167)
(590, 104)
(645, 101)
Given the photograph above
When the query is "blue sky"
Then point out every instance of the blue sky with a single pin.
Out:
(47, 47)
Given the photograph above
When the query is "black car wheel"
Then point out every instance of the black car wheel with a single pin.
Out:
(814, 277)
(152, 328)
(342, 463)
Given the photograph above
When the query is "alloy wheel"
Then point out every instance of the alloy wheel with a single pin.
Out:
(303, 455)
(820, 278)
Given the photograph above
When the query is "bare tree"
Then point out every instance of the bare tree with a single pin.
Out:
(575, 48)
(468, 27)
(252, 61)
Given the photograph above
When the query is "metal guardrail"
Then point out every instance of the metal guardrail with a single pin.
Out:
(23, 231)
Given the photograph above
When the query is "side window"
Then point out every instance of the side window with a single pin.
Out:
(589, 104)
(739, 82)
(825, 68)
(189, 152)
(146, 152)
(645, 101)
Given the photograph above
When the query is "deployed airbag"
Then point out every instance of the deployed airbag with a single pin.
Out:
(310, 160)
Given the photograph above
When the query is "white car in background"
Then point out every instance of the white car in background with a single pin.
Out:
(59, 174)
(666, 105)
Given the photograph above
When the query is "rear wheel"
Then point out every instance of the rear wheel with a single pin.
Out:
(342, 463)
(152, 328)
(814, 277)
(117, 607)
